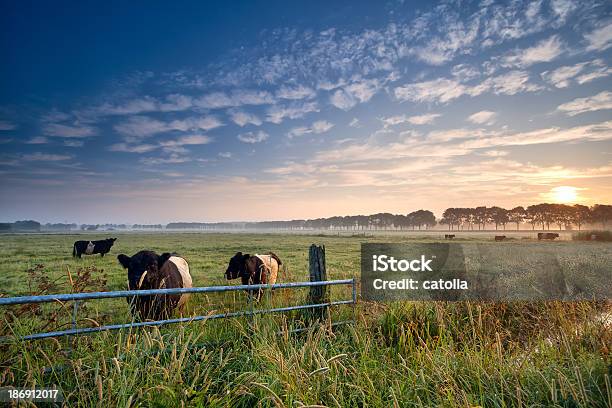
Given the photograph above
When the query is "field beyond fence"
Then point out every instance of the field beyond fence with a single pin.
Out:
(397, 354)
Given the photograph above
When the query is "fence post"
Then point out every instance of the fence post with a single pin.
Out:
(318, 294)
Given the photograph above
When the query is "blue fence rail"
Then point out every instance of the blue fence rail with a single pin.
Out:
(77, 297)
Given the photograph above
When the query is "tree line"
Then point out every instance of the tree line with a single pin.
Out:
(544, 215)
(467, 219)
(421, 219)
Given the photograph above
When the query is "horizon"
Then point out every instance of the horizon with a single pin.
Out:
(309, 111)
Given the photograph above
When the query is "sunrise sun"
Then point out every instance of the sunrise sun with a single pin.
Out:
(564, 194)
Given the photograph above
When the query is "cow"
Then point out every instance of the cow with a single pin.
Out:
(449, 236)
(547, 235)
(148, 270)
(92, 247)
(254, 269)
(500, 237)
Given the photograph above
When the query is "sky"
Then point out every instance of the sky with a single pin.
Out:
(152, 112)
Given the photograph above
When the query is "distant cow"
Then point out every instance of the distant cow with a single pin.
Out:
(449, 236)
(500, 237)
(254, 269)
(147, 270)
(547, 235)
(92, 247)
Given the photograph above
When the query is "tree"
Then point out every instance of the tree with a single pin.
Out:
(498, 215)
(517, 215)
(602, 214)
(581, 215)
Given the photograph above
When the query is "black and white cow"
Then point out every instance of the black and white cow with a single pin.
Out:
(92, 247)
(147, 270)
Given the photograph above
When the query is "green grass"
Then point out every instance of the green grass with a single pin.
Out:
(401, 354)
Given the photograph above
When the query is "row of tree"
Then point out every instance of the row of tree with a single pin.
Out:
(478, 218)
(544, 215)
(421, 219)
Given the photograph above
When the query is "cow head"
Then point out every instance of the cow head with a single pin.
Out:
(143, 269)
(237, 266)
(111, 240)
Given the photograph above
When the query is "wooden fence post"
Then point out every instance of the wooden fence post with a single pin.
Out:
(318, 273)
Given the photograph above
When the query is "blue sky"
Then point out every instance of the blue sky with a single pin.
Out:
(151, 112)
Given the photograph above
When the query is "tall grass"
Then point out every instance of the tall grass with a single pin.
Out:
(404, 354)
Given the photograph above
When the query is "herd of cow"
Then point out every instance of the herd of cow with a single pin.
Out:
(148, 270)
(541, 236)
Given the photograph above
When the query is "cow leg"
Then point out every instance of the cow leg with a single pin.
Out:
(101, 254)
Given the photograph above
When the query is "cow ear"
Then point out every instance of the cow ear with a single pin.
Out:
(124, 260)
(163, 258)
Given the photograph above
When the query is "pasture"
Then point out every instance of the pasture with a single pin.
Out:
(400, 354)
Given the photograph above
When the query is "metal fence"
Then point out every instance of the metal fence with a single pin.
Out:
(78, 297)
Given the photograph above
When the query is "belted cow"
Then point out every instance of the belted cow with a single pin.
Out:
(147, 270)
(254, 269)
(92, 247)
(547, 235)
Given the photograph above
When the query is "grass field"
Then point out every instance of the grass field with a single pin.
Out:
(400, 354)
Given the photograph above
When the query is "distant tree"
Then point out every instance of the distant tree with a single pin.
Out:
(517, 215)
(28, 225)
(581, 215)
(480, 217)
(601, 214)
(498, 216)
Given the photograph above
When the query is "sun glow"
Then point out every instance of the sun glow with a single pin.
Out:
(564, 194)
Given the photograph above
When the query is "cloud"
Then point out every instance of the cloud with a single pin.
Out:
(443, 90)
(425, 119)
(563, 8)
(320, 126)
(458, 37)
(38, 140)
(437, 90)
(600, 39)
(170, 146)
(188, 140)
(60, 130)
(174, 158)
(6, 125)
(278, 113)
(601, 101)
(242, 118)
(253, 137)
(74, 143)
(394, 120)
(45, 157)
(297, 92)
(225, 155)
(544, 51)
(413, 120)
(139, 148)
(465, 72)
(580, 73)
(236, 98)
(482, 117)
(357, 92)
(355, 123)
(144, 126)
